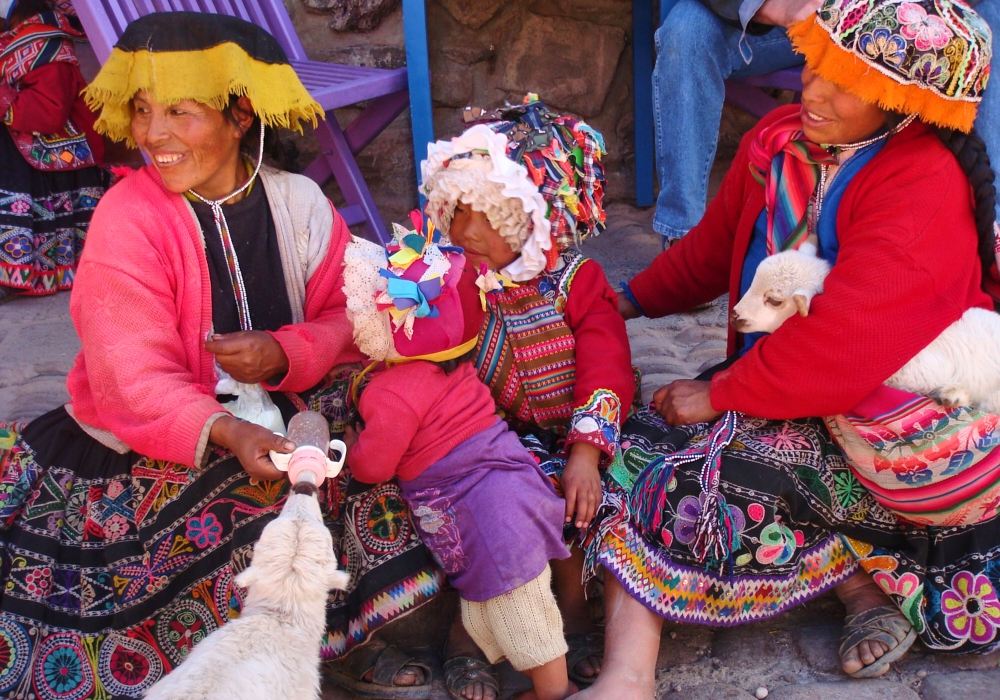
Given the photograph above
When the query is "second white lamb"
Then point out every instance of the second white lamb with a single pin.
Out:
(961, 367)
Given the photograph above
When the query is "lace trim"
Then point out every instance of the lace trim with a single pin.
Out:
(362, 283)
(517, 196)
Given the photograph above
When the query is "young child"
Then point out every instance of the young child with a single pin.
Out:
(481, 503)
(519, 192)
(51, 176)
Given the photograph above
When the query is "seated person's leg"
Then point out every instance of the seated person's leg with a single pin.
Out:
(988, 119)
(696, 51)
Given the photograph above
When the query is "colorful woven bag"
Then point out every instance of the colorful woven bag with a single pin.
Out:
(927, 463)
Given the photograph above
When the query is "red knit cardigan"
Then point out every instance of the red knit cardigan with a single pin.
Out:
(46, 98)
(907, 269)
(142, 306)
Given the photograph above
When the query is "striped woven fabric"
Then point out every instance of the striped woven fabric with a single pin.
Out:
(528, 358)
(928, 463)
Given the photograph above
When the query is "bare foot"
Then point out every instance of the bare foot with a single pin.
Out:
(620, 686)
(860, 593)
(532, 695)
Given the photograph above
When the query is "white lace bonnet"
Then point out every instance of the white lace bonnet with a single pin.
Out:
(473, 168)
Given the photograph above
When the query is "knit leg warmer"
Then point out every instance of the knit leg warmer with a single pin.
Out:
(523, 625)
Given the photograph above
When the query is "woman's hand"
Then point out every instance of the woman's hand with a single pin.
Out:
(251, 444)
(250, 357)
(337, 370)
(685, 402)
(581, 482)
(626, 308)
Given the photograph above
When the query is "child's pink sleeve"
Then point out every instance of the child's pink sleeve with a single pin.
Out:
(390, 426)
(605, 385)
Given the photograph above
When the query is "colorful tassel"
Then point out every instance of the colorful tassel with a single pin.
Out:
(716, 536)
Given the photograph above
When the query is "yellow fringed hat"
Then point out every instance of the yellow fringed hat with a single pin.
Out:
(925, 57)
(203, 57)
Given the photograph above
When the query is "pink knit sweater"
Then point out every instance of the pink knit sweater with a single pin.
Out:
(142, 307)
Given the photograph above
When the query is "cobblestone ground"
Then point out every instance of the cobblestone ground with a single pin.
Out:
(793, 657)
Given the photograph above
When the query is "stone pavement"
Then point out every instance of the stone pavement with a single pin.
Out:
(793, 657)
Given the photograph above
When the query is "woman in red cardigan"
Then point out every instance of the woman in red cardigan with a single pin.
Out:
(125, 515)
(736, 503)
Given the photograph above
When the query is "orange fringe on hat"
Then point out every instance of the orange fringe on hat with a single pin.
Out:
(830, 61)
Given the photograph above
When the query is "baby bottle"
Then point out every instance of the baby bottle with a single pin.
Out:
(309, 462)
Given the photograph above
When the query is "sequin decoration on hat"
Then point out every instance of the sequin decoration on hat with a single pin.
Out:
(924, 57)
(541, 185)
(402, 300)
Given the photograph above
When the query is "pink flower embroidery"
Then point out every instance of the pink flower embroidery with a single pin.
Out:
(906, 585)
(925, 31)
(971, 609)
(786, 438)
(205, 531)
(20, 207)
(38, 581)
(115, 527)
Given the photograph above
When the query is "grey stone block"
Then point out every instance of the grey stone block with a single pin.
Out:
(846, 690)
(965, 685)
(712, 691)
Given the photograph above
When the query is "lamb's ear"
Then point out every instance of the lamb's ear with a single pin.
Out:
(810, 246)
(246, 578)
(802, 298)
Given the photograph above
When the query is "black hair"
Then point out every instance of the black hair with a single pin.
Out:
(450, 366)
(283, 155)
(28, 8)
(970, 151)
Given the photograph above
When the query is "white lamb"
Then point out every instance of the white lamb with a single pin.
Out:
(273, 649)
(961, 367)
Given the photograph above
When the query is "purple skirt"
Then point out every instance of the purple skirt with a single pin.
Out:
(488, 514)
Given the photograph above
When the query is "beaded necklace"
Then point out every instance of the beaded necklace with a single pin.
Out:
(820, 193)
(232, 261)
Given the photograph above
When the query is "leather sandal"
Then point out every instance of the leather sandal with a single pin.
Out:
(385, 661)
(883, 624)
(581, 647)
(462, 671)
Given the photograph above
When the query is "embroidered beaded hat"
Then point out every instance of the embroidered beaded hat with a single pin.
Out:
(537, 176)
(203, 57)
(409, 301)
(925, 57)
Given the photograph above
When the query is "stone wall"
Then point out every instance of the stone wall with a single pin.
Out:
(575, 54)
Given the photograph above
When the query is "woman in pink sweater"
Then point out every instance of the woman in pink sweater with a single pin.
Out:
(125, 515)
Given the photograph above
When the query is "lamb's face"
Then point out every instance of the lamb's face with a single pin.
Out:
(762, 312)
(294, 561)
(783, 285)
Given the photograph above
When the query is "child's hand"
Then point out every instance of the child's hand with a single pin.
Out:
(581, 482)
(350, 436)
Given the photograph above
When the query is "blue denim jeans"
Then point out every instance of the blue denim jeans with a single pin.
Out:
(695, 53)
(988, 118)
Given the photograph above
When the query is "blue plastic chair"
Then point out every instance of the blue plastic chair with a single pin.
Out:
(418, 75)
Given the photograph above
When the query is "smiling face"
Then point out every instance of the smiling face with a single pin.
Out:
(831, 115)
(191, 145)
(471, 229)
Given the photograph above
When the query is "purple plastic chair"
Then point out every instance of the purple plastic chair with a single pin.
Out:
(332, 85)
